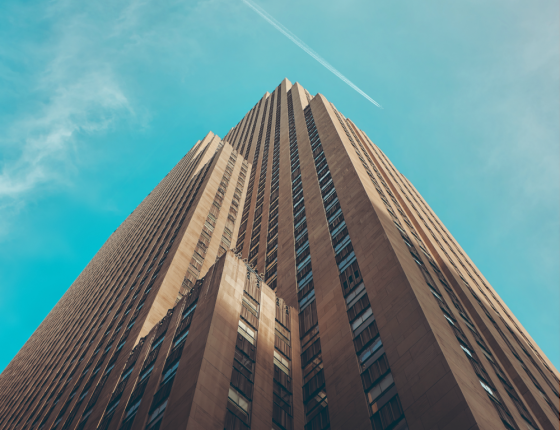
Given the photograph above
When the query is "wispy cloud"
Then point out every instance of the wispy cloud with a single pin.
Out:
(278, 26)
(46, 139)
(68, 92)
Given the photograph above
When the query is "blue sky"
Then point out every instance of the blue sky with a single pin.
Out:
(99, 100)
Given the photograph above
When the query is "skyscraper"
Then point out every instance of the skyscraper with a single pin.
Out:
(287, 276)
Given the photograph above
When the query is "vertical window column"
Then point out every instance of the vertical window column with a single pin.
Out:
(464, 344)
(197, 261)
(272, 232)
(384, 403)
(256, 232)
(282, 413)
(256, 117)
(315, 400)
(249, 197)
(454, 248)
(240, 395)
(227, 235)
(159, 401)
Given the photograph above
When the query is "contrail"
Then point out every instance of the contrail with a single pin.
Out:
(306, 48)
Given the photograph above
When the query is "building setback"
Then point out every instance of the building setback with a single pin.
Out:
(287, 276)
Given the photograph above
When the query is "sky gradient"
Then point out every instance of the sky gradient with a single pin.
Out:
(99, 100)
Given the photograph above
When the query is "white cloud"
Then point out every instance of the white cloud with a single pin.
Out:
(70, 91)
(47, 139)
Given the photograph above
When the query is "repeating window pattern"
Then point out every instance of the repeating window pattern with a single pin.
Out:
(129, 367)
(232, 136)
(486, 383)
(116, 395)
(197, 261)
(272, 232)
(465, 345)
(384, 403)
(227, 235)
(315, 400)
(249, 196)
(110, 366)
(148, 277)
(252, 133)
(115, 399)
(159, 401)
(173, 356)
(246, 126)
(116, 291)
(282, 413)
(259, 205)
(240, 394)
(549, 379)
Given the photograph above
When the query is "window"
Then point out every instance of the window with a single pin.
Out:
(156, 415)
(158, 342)
(338, 228)
(247, 303)
(87, 413)
(239, 400)
(127, 373)
(282, 363)
(131, 411)
(343, 242)
(180, 339)
(370, 350)
(467, 351)
(304, 262)
(449, 320)
(360, 320)
(355, 295)
(468, 323)
(283, 333)
(306, 300)
(489, 391)
(436, 295)
(247, 332)
(487, 354)
(305, 279)
(378, 389)
(346, 261)
(146, 372)
(302, 247)
(486, 387)
(170, 373)
(84, 394)
(112, 407)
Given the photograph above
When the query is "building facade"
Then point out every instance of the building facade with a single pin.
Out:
(287, 276)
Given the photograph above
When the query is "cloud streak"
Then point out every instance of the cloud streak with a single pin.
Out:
(46, 139)
(69, 93)
(271, 20)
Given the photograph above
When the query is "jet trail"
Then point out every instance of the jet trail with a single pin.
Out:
(306, 48)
